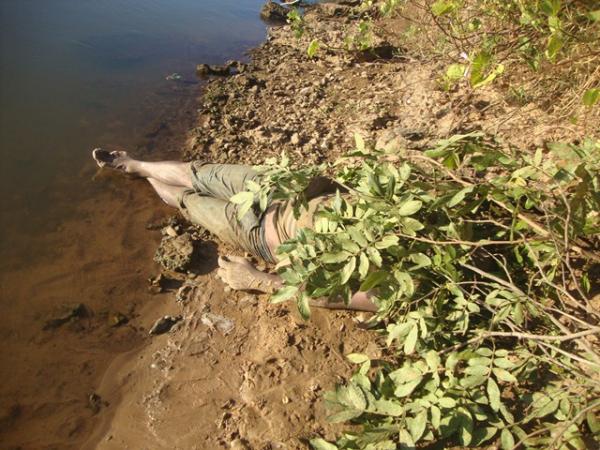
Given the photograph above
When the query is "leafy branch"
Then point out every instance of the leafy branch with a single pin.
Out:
(483, 297)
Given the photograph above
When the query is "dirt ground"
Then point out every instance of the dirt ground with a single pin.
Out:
(236, 372)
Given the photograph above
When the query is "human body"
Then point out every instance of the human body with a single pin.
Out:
(202, 191)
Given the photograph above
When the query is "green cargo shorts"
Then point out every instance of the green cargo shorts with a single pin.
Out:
(208, 205)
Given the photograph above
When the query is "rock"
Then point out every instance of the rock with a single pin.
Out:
(223, 324)
(164, 324)
(65, 314)
(185, 292)
(274, 12)
(295, 139)
(238, 444)
(95, 403)
(175, 253)
(117, 319)
(204, 70)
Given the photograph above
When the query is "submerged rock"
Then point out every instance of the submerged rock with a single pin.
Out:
(65, 314)
(175, 252)
(205, 70)
(117, 319)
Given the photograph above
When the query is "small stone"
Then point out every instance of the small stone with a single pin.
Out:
(117, 319)
(238, 444)
(295, 139)
(170, 231)
(95, 403)
(65, 314)
(164, 324)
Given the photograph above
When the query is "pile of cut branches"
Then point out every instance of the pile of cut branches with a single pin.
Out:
(483, 263)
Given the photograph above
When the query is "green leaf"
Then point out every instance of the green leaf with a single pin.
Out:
(398, 331)
(321, 444)
(591, 97)
(594, 15)
(455, 72)
(459, 196)
(406, 380)
(352, 396)
(374, 279)
(387, 242)
(447, 402)
(493, 394)
(498, 70)
(545, 406)
(593, 422)
(344, 415)
(466, 426)
(411, 340)
(441, 7)
(350, 246)
(313, 48)
(303, 306)
(433, 360)
(503, 363)
(388, 408)
(551, 7)
(363, 266)
(473, 381)
(421, 260)
(481, 435)
(357, 236)
(410, 207)
(504, 375)
(555, 44)
(242, 197)
(283, 294)
(357, 358)
(506, 439)
(411, 225)
(407, 286)
(348, 270)
(374, 256)
(482, 361)
(436, 416)
(245, 200)
(333, 258)
(406, 441)
(416, 425)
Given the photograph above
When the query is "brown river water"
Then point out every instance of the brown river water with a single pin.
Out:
(75, 75)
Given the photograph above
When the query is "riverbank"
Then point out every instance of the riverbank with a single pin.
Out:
(235, 371)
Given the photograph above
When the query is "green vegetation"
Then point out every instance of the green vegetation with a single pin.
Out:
(548, 47)
(483, 258)
(482, 266)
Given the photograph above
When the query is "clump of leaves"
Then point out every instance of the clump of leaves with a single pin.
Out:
(480, 260)
(553, 38)
(296, 21)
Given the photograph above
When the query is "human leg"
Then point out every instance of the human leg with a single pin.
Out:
(220, 217)
(168, 193)
(221, 181)
(174, 173)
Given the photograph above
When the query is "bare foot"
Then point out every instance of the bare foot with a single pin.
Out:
(117, 159)
(239, 274)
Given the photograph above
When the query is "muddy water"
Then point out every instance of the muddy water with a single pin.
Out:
(75, 75)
